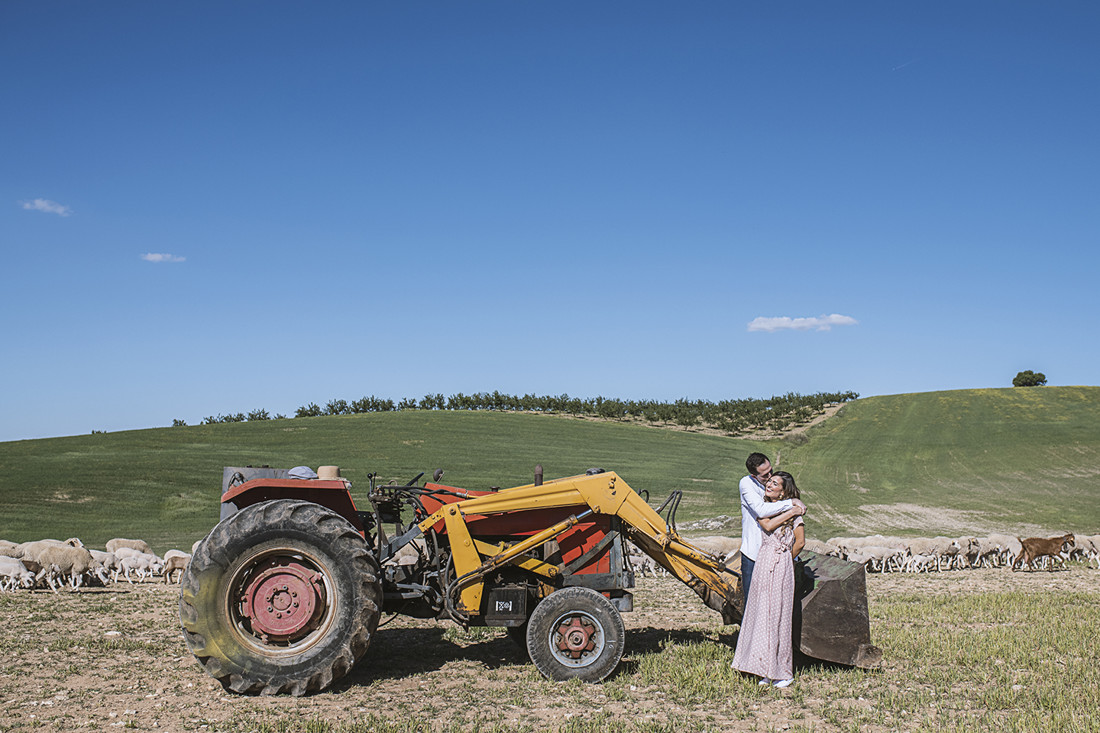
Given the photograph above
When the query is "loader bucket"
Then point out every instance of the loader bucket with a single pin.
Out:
(834, 625)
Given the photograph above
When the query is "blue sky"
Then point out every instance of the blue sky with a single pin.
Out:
(218, 207)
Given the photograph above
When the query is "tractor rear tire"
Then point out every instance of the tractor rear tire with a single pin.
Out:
(281, 597)
(575, 633)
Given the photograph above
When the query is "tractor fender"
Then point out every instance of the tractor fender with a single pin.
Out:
(330, 493)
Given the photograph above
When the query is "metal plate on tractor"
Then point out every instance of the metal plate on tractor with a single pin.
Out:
(506, 606)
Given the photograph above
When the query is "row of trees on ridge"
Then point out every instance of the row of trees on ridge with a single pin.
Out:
(733, 417)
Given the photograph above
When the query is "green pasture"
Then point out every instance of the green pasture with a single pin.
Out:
(163, 485)
(1005, 458)
(1020, 457)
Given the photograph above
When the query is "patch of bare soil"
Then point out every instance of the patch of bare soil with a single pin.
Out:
(879, 518)
(106, 658)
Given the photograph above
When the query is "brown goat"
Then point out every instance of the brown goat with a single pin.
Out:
(1036, 547)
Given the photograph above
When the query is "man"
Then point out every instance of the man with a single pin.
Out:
(754, 506)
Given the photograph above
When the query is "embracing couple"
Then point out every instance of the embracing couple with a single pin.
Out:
(772, 534)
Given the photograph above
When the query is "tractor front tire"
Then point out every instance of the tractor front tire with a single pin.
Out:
(575, 633)
(281, 597)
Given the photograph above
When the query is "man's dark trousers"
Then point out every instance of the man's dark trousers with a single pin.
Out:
(747, 566)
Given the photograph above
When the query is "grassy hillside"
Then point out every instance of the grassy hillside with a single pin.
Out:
(1013, 460)
(163, 484)
(1018, 460)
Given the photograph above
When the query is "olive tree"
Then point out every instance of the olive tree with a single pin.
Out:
(1029, 378)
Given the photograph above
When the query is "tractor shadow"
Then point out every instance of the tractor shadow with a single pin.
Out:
(653, 640)
(400, 653)
(407, 652)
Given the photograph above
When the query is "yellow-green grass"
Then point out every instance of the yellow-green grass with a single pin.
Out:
(1017, 659)
(1016, 662)
(163, 485)
(993, 459)
(976, 461)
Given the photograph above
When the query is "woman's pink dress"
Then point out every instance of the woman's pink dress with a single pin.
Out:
(764, 642)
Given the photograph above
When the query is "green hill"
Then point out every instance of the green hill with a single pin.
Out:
(1015, 460)
(1022, 460)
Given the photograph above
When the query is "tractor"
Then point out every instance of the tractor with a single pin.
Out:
(285, 593)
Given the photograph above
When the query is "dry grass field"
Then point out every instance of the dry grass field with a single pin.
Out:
(965, 650)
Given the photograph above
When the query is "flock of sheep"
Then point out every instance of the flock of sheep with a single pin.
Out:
(922, 554)
(881, 554)
(55, 564)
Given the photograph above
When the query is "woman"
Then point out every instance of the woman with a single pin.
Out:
(764, 643)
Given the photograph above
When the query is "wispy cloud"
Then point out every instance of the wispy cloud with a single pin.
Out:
(46, 206)
(786, 323)
(152, 257)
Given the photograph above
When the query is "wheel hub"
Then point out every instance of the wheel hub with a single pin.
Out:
(283, 599)
(576, 636)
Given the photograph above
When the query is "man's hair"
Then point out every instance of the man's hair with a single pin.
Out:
(755, 461)
(790, 490)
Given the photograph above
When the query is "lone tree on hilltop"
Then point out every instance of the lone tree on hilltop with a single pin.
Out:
(1029, 378)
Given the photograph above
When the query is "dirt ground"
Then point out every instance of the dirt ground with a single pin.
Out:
(113, 657)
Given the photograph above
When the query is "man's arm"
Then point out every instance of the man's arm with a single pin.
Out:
(769, 524)
(752, 498)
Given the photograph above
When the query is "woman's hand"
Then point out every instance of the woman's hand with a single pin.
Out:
(799, 505)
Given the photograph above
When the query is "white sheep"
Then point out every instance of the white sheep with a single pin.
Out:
(822, 548)
(59, 561)
(885, 559)
(642, 563)
(989, 553)
(107, 559)
(176, 560)
(407, 555)
(719, 546)
(142, 564)
(1090, 548)
(124, 552)
(921, 563)
(1010, 547)
(14, 574)
(942, 549)
(106, 565)
(139, 545)
(969, 550)
(843, 544)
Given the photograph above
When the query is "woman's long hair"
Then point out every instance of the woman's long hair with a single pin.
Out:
(790, 490)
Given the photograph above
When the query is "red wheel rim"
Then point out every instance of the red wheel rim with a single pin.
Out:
(576, 636)
(283, 600)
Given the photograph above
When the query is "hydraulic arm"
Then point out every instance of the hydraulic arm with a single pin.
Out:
(602, 493)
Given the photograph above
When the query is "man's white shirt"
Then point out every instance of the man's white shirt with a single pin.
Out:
(753, 506)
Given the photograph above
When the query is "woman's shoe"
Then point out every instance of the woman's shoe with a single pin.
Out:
(764, 682)
(783, 683)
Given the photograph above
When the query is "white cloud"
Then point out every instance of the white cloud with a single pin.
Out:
(786, 323)
(46, 206)
(152, 257)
